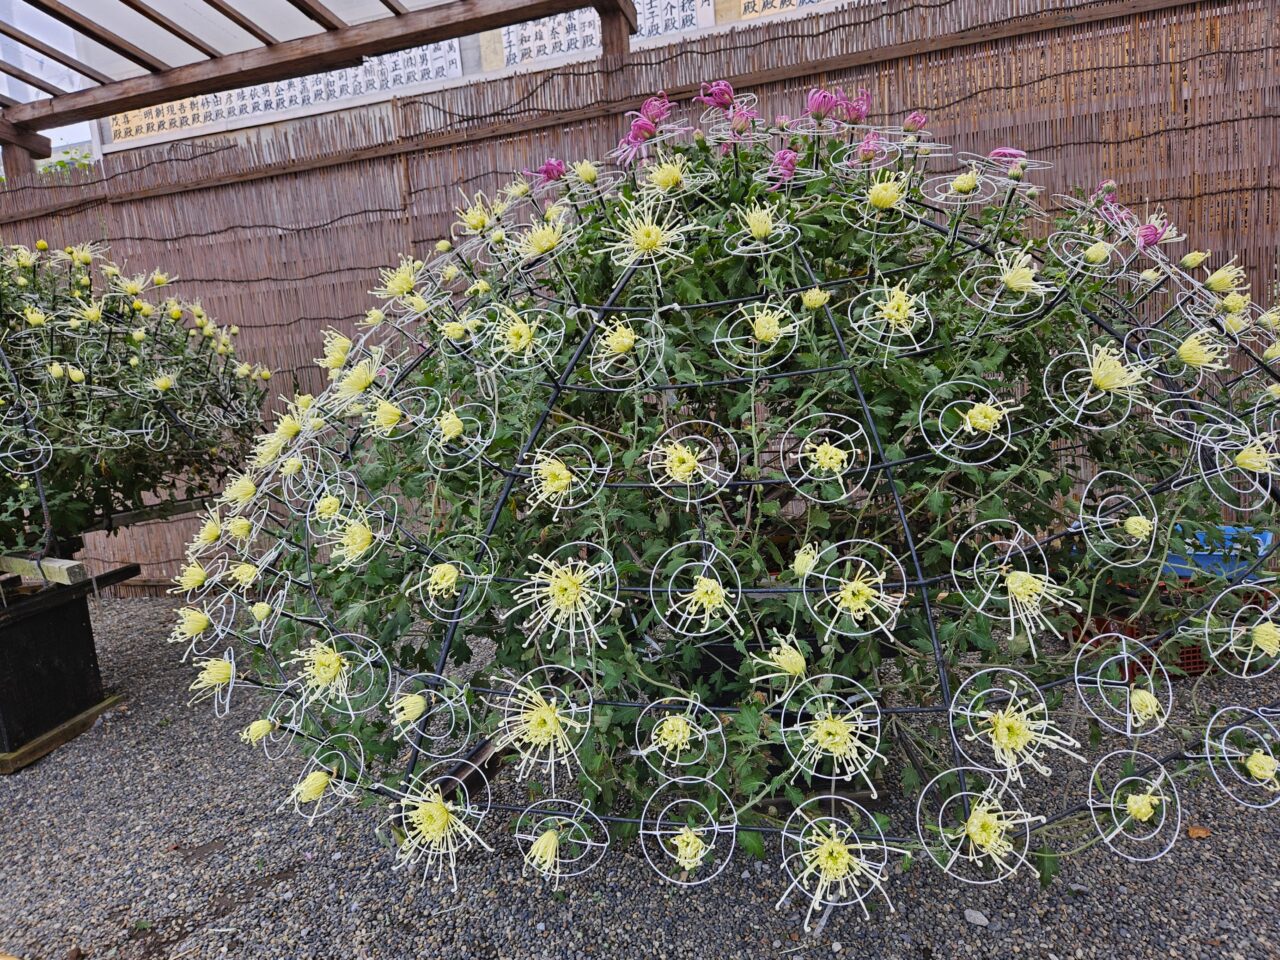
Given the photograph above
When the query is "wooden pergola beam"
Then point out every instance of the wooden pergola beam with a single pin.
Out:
(53, 53)
(247, 24)
(395, 6)
(30, 79)
(172, 26)
(293, 58)
(20, 149)
(317, 11)
(38, 146)
(86, 25)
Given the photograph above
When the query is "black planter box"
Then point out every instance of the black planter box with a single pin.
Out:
(48, 664)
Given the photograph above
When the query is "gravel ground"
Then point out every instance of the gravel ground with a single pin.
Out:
(156, 835)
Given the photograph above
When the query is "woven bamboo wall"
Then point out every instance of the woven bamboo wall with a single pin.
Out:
(282, 229)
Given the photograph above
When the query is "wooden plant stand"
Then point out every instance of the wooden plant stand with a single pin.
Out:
(50, 685)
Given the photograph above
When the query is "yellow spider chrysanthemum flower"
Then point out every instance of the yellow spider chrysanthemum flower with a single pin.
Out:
(888, 192)
(830, 857)
(215, 674)
(834, 735)
(257, 731)
(164, 382)
(477, 217)
(193, 576)
(192, 622)
(982, 418)
(1097, 254)
(408, 710)
(766, 324)
(537, 727)
(442, 581)
(707, 598)
(673, 734)
(667, 175)
(354, 541)
(325, 669)
(1265, 636)
(260, 611)
(1109, 373)
(544, 853)
(826, 457)
(1018, 276)
(515, 333)
(540, 240)
(1016, 729)
(313, 786)
(861, 595)
(1193, 259)
(1229, 278)
(805, 560)
(784, 659)
(1256, 458)
(758, 220)
(1138, 527)
(897, 308)
(34, 317)
(552, 480)
(241, 528)
(648, 232)
(359, 378)
(436, 828)
(690, 848)
(327, 507)
(965, 183)
(815, 298)
(1026, 587)
(450, 425)
(240, 491)
(586, 171)
(386, 416)
(1236, 323)
(244, 574)
(1144, 706)
(1141, 806)
(1200, 351)
(620, 338)
(1263, 767)
(336, 350)
(210, 531)
(1235, 302)
(987, 829)
(681, 462)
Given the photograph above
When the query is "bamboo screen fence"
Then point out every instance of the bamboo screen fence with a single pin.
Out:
(281, 229)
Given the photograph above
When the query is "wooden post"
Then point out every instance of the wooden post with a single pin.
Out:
(20, 149)
(17, 161)
(615, 38)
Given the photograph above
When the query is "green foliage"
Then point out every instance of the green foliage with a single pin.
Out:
(84, 354)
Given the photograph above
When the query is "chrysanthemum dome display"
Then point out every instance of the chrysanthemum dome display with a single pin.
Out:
(111, 391)
(696, 494)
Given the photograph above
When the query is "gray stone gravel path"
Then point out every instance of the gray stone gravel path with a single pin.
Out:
(155, 835)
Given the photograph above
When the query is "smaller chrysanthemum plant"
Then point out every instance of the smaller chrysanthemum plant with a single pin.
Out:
(780, 465)
(114, 395)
